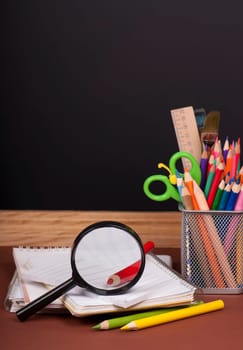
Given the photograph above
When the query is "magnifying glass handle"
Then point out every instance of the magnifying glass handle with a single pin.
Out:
(45, 299)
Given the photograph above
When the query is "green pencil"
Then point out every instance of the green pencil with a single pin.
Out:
(209, 180)
(121, 321)
(218, 195)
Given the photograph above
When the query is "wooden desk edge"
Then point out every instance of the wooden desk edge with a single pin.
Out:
(59, 228)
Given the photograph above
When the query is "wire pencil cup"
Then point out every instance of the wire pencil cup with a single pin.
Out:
(212, 250)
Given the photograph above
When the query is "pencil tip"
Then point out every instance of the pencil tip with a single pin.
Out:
(97, 326)
(131, 326)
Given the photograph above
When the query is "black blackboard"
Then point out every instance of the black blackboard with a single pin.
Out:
(87, 88)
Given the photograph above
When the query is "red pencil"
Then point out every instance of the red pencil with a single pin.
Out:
(235, 160)
(216, 180)
(129, 272)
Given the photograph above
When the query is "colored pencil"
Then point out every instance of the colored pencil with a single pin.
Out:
(230, 205)
(218, 195)
(118, 322)
(200, 197)
(189, 184)
(226, 148)
(235, 159)
(220, 254)
(214, 186)
(193, 231)
(203, 167)
(225, 197)
(238, 252)
(209, 179)
(228, 163)
(174, 315)
(227, 178)
(198, 200)
(211, 241)
(211, 161)
(179, 182)
(186, 198)
(239, 201)
(209, 250)
(241, 175)
(129, 272)
(231, 234)
(217, 151)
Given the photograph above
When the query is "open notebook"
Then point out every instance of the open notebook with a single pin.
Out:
(39, 269)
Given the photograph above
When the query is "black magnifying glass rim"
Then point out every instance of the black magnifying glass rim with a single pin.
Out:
(82, 282)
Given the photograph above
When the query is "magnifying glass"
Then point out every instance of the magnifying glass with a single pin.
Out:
(98, 252)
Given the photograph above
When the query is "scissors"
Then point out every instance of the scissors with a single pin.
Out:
(169, 181)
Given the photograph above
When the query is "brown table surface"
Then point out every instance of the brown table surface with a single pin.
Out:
(217, 330)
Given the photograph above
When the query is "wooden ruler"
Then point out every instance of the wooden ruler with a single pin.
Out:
(187, 133)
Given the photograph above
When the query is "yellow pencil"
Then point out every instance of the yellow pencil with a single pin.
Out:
(174, 315)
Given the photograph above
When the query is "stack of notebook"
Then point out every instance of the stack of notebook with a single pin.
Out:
(40, 269)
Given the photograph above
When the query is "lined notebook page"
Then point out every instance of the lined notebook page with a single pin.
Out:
(36, 266)
(157, 285)
(46, 265)
(52, 266)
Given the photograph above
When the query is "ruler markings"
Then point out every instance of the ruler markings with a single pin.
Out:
(187, 133)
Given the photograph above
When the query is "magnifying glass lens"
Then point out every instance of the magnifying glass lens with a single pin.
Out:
(107, 259)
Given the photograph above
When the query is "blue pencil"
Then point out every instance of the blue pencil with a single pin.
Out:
(230, 205)
(224, 197)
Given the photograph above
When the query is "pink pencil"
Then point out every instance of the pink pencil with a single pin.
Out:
(239, 202)
(231, 231)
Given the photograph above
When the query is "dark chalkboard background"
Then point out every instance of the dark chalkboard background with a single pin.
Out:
(87, 88)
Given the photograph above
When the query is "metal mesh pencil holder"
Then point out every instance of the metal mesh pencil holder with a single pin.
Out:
(212, 250)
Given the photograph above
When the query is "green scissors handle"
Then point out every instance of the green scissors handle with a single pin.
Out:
(171, 191)
(195, 168)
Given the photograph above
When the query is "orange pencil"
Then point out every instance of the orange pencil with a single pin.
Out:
(209, 249)
(186, 198)
(228, 163)
(241, 175)
(200, 197)
(189, 184)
